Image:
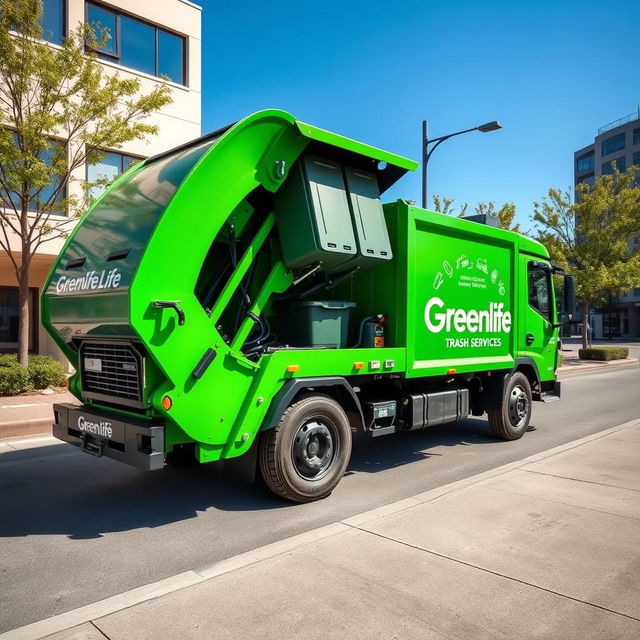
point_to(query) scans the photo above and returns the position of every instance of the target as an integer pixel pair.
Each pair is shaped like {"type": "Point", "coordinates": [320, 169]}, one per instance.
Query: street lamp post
{"type": "Point", "coordinates": [494, 125]}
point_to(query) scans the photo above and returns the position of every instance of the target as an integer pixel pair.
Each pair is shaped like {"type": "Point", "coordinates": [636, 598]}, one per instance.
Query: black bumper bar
{"type": "Point", "coordinates": [99, 434]}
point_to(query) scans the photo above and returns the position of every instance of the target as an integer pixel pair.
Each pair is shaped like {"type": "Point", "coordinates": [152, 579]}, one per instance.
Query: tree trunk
{"type": "Point", "coordinates": [23, 304]}
{"type": "Point", "coordinates": [585, 325]}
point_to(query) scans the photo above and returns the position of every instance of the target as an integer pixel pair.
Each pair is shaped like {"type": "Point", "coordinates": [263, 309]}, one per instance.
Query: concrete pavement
{"type": "Point", "coordinates": [29, 414]}
{"type": "Point", "coordinates": [546, 547]}
{"type": "Point", "coordinates": [571, 363]}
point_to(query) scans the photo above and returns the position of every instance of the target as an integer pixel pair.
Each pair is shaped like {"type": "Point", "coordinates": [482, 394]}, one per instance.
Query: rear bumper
{"type": "Point", "coordinates": [100, 434]}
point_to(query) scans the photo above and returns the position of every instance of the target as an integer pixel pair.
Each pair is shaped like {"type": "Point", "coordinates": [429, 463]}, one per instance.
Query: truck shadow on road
{"type": "Point", "coordinates": [57, 490]}
{"type": "Point", "coordinates": [372, 455]}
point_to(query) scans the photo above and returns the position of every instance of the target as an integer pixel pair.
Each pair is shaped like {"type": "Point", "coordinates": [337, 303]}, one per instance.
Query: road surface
{"type": "Point", "coordinates": [75, 529]}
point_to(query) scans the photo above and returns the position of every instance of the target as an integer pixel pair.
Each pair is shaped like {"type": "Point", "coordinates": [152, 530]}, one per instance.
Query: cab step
{"type": "Point", "coordinates": [551, 393]}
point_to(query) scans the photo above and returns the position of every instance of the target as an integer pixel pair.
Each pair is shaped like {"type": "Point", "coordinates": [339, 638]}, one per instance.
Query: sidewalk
{"type": "Point", "coordinates": [546, 547]}
{"type": "Point", "coordinates": [571, 363]}
{"type": "Point", "coordinates": [29, 415]}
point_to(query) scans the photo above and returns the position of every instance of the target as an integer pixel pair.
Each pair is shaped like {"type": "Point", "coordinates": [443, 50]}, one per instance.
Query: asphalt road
{"type": "Point", "coordinates": [75, 529]}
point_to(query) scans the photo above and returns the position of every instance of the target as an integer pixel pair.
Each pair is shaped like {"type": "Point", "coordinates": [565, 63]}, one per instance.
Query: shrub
{"type": "Point", "coordinates": [41, 372]}
{"type": "Point", "coordinates": [14, 378]}
{"type": "Point", "coordinates": [7, 359]}
{"type": "Point", "coordinates": [46, 372]}
{"type": "Point", "coordinates": [604, 353]}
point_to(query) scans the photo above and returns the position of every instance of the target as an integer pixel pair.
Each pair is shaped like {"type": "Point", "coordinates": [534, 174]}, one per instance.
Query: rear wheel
{"type": "Point", "coordinates": [511, 419]}
{"type": "Point", "coordinates": [305, 455]}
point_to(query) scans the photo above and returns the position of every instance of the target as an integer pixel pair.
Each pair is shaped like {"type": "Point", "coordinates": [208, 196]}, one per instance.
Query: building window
{"type": "Point", "coordinates": [137, 44]}
{"type": "Point", "coordinates": [636, 136]}
{"type": "Point", "coordinates": [636, 158]}
{"type": "Point", "coordinates": [620, 163]}
{"type": "Point", "coordinates": [107, 169]}
{"type": "Point", "coordinates": [612, 144]}
{"type": "Point", "coordinates": [45, 195]}
{"type": "Point", "coordinates": [9, 315]}
{"type": "Point", "coordinates": [52, 20]}
{"type": "Point", "coordinates": [585, 162]}
{"type": "Point", "coordinates": [587, 178]}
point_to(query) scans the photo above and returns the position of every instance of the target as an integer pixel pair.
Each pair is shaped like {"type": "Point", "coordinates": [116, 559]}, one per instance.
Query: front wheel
{"type": "Point", "coordinates": [511, 419]}
{"type": "Point", "coordinates": [305, 455]}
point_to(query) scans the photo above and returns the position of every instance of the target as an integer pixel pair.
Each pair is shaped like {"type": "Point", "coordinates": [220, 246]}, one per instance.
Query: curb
{"type": "Point", "coordinates": [601, 365]}
{"type": "Point", "coordinates": [25, 428]}
{"type": "Point", "coordinates": [133, 597]}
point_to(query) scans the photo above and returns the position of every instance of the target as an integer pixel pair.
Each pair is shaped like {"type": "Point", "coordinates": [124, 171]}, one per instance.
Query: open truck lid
{"type": "Point", "coordinates": [168, 208]}
{"type": "Point", "coordinates": [395, 166]}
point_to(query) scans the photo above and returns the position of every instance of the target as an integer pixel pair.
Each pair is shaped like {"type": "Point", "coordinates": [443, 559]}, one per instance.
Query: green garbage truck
{"type": "Point", "coordinates": [248, 296]}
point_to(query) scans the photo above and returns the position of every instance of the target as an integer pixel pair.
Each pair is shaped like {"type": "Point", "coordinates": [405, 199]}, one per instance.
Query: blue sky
{"type": "Point", "coordinates": [551, 72]}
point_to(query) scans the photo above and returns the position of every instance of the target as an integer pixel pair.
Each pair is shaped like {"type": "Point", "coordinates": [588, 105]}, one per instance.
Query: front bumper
{"type": "Point", "coordinates": [100, 434]}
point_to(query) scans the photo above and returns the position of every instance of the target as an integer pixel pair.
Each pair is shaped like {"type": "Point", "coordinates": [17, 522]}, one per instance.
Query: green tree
{"type": "Point", "coordinates": [593, 236]}
{"type": "Point", "coordinates": [506, 213]}
{"type": "Point", "coordinates": [446, 206]}
{"type": "Point", "coordinates": [57, 108]}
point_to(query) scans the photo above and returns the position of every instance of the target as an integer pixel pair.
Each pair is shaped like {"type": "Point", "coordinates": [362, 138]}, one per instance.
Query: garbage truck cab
{"type": "Point", "coordinates": [247, 296]}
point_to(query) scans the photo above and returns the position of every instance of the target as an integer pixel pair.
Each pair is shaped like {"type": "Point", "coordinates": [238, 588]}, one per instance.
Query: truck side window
{"type": "Point", "coordinates": [539, 290]}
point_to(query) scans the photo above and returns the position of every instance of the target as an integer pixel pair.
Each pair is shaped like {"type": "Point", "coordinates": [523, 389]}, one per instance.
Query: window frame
{"type": "Point", "coordinates": [115, 57]}
{"type": "Point", "coordinates": [586, 156]}
{"type": "Point", "coordinates": [34, 323]}
{"type": "Point", "coordinates": [122, 155]}
{"type": "Point", "coordinates": [532, 266]}
{"type": "Point", "coordinates": [622, 136]}
{"type": "Point", "coordinates": [621, 166]}
{"type": "Point", "coordinates": [65, 30]}
{"type": "Point", "coordinates": [63, 195]}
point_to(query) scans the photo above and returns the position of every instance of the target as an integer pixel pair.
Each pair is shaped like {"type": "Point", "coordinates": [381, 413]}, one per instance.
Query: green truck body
{"type": "Point", "coordinates": [247, 295]}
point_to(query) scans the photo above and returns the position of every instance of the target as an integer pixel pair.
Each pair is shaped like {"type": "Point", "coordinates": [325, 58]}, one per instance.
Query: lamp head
{"type": "Point", "coordinates": [494, 125]}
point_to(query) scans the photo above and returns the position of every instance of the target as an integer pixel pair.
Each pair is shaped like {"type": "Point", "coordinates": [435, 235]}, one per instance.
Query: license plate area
{"type": "Point", "coordinates": [92, 445]}
{"type": "Point", "coordinates": [101, 435]}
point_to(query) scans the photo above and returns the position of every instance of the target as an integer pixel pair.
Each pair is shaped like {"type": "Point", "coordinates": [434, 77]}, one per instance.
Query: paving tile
{"type": "Point", "coordinates": [612, 460]}
{"type": "Point", "coordinates": [612, 500]}
{"type": "Point", "coordinates": [581, 553]}
{"type": "Point", "coordinates": [82, 632]}
{"type": "Point", "coordinates": [358, 586]}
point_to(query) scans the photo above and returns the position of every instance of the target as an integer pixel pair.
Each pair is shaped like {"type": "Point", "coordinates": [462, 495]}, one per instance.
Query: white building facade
{"type": "Point", "coordinates": [149, 41]}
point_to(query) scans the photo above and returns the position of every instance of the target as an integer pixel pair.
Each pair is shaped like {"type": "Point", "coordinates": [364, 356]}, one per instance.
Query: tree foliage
{"type": "Point", "coordinates": [594, 236]}
{"type": "Point", "coordinates": [506, 213]}
{"type": "Point", "coordinates": [58, 108]}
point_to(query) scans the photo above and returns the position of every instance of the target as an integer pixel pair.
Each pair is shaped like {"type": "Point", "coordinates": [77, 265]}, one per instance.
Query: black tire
{"type": "Point", "coordinates": [511, 419]}
{"type": "Point", "coordinates": [305, 455]}
{"type": "Point", "coordinates": [182, 456]}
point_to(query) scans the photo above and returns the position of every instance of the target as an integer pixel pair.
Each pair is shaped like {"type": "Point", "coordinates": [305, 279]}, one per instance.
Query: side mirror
{"type": "Point", "coordinates": [568, 303]}
{"type": "Point", "coordinates": [569, 298]}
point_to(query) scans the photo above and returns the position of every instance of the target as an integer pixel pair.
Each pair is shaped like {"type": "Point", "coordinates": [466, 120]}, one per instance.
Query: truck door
{"type": "Point", "coordinates": [537, 333]}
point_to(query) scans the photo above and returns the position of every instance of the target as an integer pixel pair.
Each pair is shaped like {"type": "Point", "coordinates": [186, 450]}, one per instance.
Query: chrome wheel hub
{"type": "Point", "coordinates": [518, 406]}
{"type": "Point", "coordinates": [314, 449]}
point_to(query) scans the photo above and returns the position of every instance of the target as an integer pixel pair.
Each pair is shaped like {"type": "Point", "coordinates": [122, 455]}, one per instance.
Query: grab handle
{"type": "Point", "coordinates": [168, 304]}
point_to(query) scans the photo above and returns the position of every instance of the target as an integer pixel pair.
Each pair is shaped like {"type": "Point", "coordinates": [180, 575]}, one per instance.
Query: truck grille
{"type": "Point", "coordinates": [112, 371]}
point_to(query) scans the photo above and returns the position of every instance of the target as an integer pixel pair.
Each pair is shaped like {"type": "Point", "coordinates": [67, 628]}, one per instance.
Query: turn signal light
{"type": "Point", "coordinates": [292, 368]}
{"type": "Point", "coordinates": [358, 365]}
{"type": "Point", "coordinates": [167, 403]}
{"type": "Point", "coordinates": [451, 372]}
